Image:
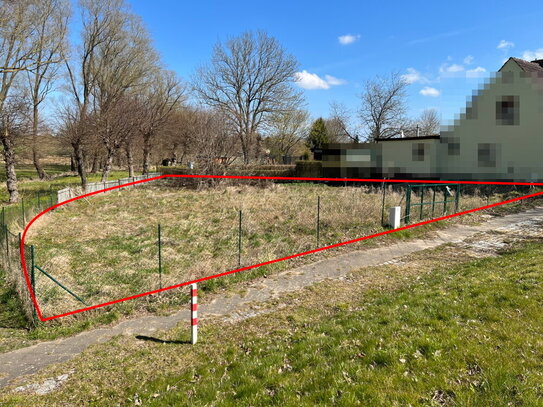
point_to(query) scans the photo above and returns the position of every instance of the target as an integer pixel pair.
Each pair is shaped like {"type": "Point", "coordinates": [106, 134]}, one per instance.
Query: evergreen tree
{"type": "Point", "coordinates": [318, 135]}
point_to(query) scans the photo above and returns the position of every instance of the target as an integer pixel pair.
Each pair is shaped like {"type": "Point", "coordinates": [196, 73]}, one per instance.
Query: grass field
{"type": "Point", "coordinates": [105, 247]}
{"type": "Point", "coordinates": [443, 328]}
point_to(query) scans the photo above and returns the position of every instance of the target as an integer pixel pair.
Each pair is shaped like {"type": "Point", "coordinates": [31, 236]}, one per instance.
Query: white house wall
{"type": "Point", "coordinates": [519, 148]}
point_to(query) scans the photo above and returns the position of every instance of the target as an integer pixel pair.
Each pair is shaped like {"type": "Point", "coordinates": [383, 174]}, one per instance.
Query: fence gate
{"type": "Point", "coordinates": [451, 194]}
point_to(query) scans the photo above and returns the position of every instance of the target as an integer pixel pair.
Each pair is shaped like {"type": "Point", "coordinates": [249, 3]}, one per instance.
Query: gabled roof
{"type": "Point", "coordinates": [526, 66]}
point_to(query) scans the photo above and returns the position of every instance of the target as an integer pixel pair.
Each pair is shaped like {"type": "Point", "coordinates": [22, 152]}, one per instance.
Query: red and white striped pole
{"type": "Point", "coordinates": [194, 313]}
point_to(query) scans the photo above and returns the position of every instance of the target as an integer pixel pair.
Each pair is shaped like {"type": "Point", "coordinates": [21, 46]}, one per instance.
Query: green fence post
{"type": "Point", "coordinates": [457, 198]}
{"type": "Point", "coordinates": [433, 200]}
{"type": "Point", "coordinates": [3, 215]}
{"type": "Point", "coordinates": [239, 238]}
{"type": "Point", "coordinates": [23, 210]}
{"type": "Point", "coordinates": [159, 258]}
{"type": "Point", "coordinates": [318, 220]}
{"type": "Point", "coordinates": [445, 200]}
{"type": "Point", "coordinates": [7, 241]}
{"type": "Point", "coordinates": [383, 205]}
{"type": "Point", "coordinates": [421, 202]}
{"type": "Point", "coordinates": [32, 268]}
{"type": "Point", "coordinates": [408, 204]}
{"type": "Point", "coordinates": [39, 202]}
{"type": "Point", "coordinates": [33, 281]}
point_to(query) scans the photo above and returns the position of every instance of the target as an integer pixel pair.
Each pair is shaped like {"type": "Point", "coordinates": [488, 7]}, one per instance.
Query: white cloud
{"type": "Point", "coordinates": [531, 55]}
{"type": "Point", "coordinates": [505, 44]}
{"type": "Point", "coordinates": [454, 68]}
{"type": "Point", "coordinates": [348, 38]}
{"type": "Point", "coordinates": [309, 80]}
{"type": "Point", "coordinates": [333, 81]}
{"type": "Point", "coordinates": [428, 91]}
{"type": "Point", "coordinates": [476, 72]}
{"type": "Point", "coordinates": [414, 76]}
{"type": "Point", "coordinates": [469, 59]}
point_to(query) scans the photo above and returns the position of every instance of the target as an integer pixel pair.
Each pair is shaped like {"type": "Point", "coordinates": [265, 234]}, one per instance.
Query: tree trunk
{"type": "Point", "coordinates": [80, 162]}
{"type": "Point", "coordinates": [146, 154]}
{"type": "Point", "coordinates": [129, 160]}
{"type": "Point", "coordinates": [9, 160]}
{"type": "Point", "coordinates": [72, 163]}
{"type": "Point", "coordinates": [95, 162]}
{"type": "Point", "coordinates": [35, 156]}
{"type": "Point", "coordinates": [108, 163]}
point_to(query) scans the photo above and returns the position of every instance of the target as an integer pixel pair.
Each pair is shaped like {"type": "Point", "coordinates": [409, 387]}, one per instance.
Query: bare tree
{"type": "Point", "coordinates": [339, 124]}
{"type": "Point", "coordinates": [214, 141]}
{"type": "Point", "coordinates": [13, 125]}
{"type": "Point", "coordinates": [124, 60]}
{"type": "Point", "coordinates": [249, 79]}
{"type": "Point", "coordinates": [19, 45]}
{"type": "Point", "coordinates": [100, 18]}
{"type": "Point", "coordinates": [50, 29]}
{"type": "Point", "coordinates": [163, 95]}
{"type": "Point", "coordinates": [288, 129]}
{"type": "Point", "coordinates": [178, 134]}
{"type": "Point", "coordinates": [383, 106]}
{"type": "Point", "coordinates": [428, 122]}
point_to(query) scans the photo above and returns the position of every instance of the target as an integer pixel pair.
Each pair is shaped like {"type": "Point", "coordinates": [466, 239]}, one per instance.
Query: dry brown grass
{"type": "Point", "coordinates": [105, 247]}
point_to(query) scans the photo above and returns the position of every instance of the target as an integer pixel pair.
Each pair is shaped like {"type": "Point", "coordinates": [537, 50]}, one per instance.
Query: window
{"type": "Point", "coordinates": [453, 145]}
{"type": "Point", "coordinates": [418, 152]}
{"type": "Point", "coordinates": [486, 155]}
{"type": "Point", "coordinates": [507, 110]}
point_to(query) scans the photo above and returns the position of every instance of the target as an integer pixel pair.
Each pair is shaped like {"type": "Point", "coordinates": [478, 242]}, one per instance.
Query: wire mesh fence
{"type": "Point", "coordinates": [139, 240]}
{"type": "Point", "coordinates": [131, 244]}
{"type": "Point", "coordinates": [13, 219]}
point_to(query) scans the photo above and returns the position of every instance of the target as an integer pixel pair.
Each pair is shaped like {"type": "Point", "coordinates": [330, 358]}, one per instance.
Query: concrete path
{"type": "Point", "coordinates": [34, 358]}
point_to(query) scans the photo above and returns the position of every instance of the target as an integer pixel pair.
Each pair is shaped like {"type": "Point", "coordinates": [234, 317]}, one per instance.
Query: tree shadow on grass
{"type": "Point", "coordinates": [157, 340]}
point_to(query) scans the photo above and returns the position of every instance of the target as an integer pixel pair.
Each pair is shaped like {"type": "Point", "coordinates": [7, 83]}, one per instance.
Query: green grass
{"type": "Point", "coordinates": [462, 335]}
{"type": "Point", "coordinates": [466, 336]}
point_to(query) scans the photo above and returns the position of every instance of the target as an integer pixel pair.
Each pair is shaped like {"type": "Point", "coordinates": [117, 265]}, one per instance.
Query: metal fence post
{"type": "Point", "coordinates": [408, 204]}
{"type": "Point", "coordinates": [433, 200]}
{"type": "Point", "coordinates": [7, 241]}
{"type": "Point", "coordinates": [23, 210]}
{"type": "Point", "coordinates": [159, 258]}
{"type": "Point", "coordinates": [383, 205]}
{"type": "Point", "coordinates": [239, 237]}
{"type": "Point", "coordinates": [318, 220]}
{"type": "Point", "coordinates": [445, 192]}
{"type": "Point", "coordinates": [32, 268]}
{"type": "Point", "coordinates": [421, 202]}
{"type": "Point", "coordinates": [33, 280]}
{"type": "Point", "coordinates": [3, 215]}
{"type": "Point", "coordinates": [457, 197]}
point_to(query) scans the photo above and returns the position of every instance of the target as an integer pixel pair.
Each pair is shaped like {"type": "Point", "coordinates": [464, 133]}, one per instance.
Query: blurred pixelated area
{"type": "Point", "coordinates": [496, 137]}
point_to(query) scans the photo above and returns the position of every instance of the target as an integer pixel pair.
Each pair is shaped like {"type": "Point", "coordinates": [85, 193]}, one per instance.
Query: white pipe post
{"type": "Point", "coordinates": [194, 313]}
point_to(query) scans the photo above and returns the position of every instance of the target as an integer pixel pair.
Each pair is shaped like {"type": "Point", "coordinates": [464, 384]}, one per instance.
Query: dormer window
{"type": "Point", "coordinates": [507, 110]}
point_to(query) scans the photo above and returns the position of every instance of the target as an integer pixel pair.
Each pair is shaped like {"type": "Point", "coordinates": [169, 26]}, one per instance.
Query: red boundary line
{"type": "Point", "coordinates": [42, 318]}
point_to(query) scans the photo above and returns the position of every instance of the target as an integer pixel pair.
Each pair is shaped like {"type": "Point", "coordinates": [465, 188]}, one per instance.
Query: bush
{"type": "Point", "coordinates": [309, 169]}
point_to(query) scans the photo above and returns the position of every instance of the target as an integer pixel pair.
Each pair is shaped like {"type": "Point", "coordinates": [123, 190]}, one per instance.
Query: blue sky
{"type": "Point", "coordinates": [447, 50]}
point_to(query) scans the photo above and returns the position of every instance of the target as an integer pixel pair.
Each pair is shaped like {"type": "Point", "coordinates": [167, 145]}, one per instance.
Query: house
{"type": "Point", "coordinates": [498, 137]}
